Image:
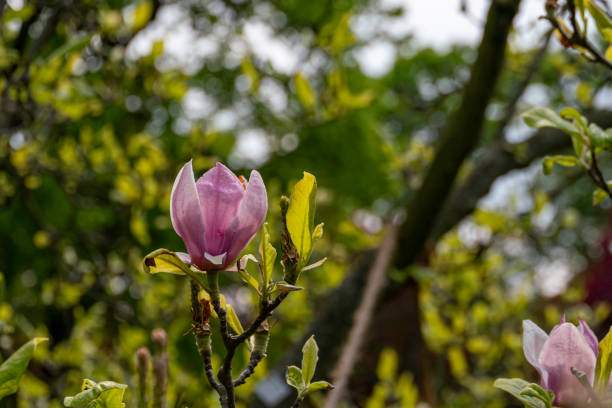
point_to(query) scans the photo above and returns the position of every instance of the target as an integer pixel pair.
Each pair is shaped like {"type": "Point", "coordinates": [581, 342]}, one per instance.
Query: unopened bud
{"type": "Point", "coordinates": [143, 356]}
{"type": "Point", "coordinates": [284, 205]}
{"type": "Point", "coordinates": [160, 339]}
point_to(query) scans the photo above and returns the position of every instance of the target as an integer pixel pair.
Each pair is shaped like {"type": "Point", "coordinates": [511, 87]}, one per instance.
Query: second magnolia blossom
{"type": "Point", "coordinates": [553, 355]}
{"type": "Point", "coordinates": [217, 215]}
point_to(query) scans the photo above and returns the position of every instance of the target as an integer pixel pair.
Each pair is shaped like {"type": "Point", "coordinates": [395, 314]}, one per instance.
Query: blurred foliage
{"type": "Point", "coordinates": [103, 101]}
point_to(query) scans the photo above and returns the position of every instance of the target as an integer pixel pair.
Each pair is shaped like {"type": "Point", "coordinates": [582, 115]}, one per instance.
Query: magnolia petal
{"type": "Point", "coordinates": [588, 335]}
{"type": "Point", "coordinates": [220, 193]}
{"type": "Point", "coordinates": [184, 257]}
{"type": "Point", "coordinates": [251, 216]}
{"type": "Point", "coordinates": [186, 214]}
{"type": "Point", "coordinates": [215, 259]}
{"type": "Point", "coordinates": [533, 341]}
{"type": "Point", "coordinates": [566, 348]}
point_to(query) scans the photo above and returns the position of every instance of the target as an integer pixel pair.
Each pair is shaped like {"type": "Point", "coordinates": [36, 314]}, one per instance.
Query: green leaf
{"type": "Point", "coordinates": [295, 379]}
{"type": "Point", "coordinates": [13, 368]}
{"type": "Point", "coordinates": [599, 137]}
{"type": "Point", "coordinates": [318, 385]}
{"type": "Point", "coordinates": [599, 196]}
{"type": "Point", "coordinates": [233, 320]}
{"type": "Point", "coordinates": [515, 387]}
{"type": "Point", "coordinates": [245, 276]}
{"type": "Point", "coordinates": [310, 356]}
{"type": "Point", "coordinates": [300, 217]}
{"type": "Point", "coordinates": [268, 256]}
{"type": "Point", "coordinates": [602, 21]}
{"type": "Point", "coordinates": [566, 161]}
{"type": "Point", "coordinates": [572, 113]}
{"type": "Point", "coordinates": [604, 364]}
{"type": "Point", "coordinates": [545, 117]}
{"type": "Point", "coordinates": [105, 394]}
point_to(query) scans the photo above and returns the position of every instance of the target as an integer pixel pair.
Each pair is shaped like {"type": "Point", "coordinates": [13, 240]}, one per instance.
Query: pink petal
{"type": "Point", "coordinates": [185, 258]}
{"type": "Point", "coordinates": [566, 348]}
{"type": "Point", "coordinates": [220, 194]}
{"type": "Point", "coordinates": [588, 335]}
{"type": "Point", "coordinates": [533, 341]}
{"type": "Point", "coordinates": [251, 216]}
{"type": "Point", "coordinates": [185, 213]}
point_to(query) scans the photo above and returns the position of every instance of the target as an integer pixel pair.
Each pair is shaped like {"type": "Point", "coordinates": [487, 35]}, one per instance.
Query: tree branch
{"type": "Point", "coordinates": [460, 134]}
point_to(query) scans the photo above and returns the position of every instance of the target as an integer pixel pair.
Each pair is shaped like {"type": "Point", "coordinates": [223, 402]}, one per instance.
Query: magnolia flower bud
{"type": "Point", "coordinates": [554, 356]}
{"type": "Point", "coordinates": [218, 215]}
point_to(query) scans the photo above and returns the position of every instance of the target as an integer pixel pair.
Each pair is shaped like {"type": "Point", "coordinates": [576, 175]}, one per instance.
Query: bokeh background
{"type": "Point", "coordinates": [102, 102]}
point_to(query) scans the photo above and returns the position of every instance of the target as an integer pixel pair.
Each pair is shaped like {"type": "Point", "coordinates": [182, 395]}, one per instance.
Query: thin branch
{"type": "Point", "coordinates": [264, 313]}
{"type": "Point", "coordinates": [576, 37]}
{"type": "Point", "coordinates": [248, 371]}
{"type": "Point", "coordinates": [597, 176]}
{"type": "Point", "coordinates": [363, 317]}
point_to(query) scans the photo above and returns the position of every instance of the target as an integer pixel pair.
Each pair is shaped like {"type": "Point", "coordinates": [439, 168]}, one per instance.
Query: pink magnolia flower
{"type": "Point", "coordinates": [553, 356]}
{"type": "Point", "coordinates": [218, 215]}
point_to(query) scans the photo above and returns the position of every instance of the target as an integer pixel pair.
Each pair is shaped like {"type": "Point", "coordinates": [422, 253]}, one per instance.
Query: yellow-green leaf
{"type": "Point", "coordinates": [268, 256]}
{"type": "Point", "coordinates": [294, 378]}
{"type": "Point", "coordinates": [204, 295]}
{"type": "Point", "coordinates": [13, 368]}
{"type": "Point", "coordinates": [303, 91]}
{"type": "Point", "coordinates": [599, 196]}
{"type": "Point", "coordinates": [310, 356]}
{"type": "Point", "coordinates": [233, 320]}
{"type": "Point", "coordinates": [604, 364]}
{"type": "Point", "coordinates": [245, 276]}
{"type": "Point", "coordinates": [601, 17]}
{"type": "Point", "coordinates": [318, 232]}
{"type": "Point", "coordinates": [162, 260]}
{"type": "Point", "coordinates": [300, 217]}
{"type": "Point", "coordinates": [107, 394]}
{"type": "Point", "coordinates": [566, 161]}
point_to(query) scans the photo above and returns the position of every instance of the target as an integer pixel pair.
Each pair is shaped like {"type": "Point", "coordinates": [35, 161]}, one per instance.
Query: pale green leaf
{"type": "Point", "coordinates": [604, 363]}
{"type": "Point", "coordinates": [515, 387]}
{"type": "Point", "coordinates": [13, 368]}
{"type": "Point", "coordinates": [545, 117]}
{"type": "Point", "coordinates": [310, 356]}
{"type": "Point", "coordinates": [300, 217]}
{"type": "Point", "coordinates": [285, 287]}
{"type": "Point", "coordinates": [294, 378]}
{"type": "Point", "coordinates": [314, 265]}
